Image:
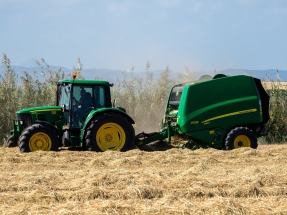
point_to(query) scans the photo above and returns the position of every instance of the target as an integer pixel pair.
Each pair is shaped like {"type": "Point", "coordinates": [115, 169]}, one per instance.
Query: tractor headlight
{"type": "Point", "coordinates": [21, 122]}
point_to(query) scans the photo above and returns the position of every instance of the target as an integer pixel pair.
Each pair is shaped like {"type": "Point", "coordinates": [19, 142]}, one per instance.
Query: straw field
{"type": "Point", "coordinates": [158, 179]}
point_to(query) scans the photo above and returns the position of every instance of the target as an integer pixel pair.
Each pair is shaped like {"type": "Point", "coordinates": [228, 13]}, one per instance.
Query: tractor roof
{"type": "Point", "coordinates": [87, 82]}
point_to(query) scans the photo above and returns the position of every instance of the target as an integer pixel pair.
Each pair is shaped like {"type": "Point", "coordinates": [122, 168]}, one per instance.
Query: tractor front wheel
{"type": "Point", "coordinates": [110, 131]}
{"type": "Point", "coordinates": [240, 137]}
{"type": "Point", "coordinates": [38, 137]}
{"type": "Point", "coordinates": [11, 142]}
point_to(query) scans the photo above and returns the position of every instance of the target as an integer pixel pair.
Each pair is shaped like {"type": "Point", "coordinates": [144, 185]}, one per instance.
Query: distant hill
{"type": "Point", "coordinates": [113, 75]}
{"type": "Point", "coordinates": [261, 74]}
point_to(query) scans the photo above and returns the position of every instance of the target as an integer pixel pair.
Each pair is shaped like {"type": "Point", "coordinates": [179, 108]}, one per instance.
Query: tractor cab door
{"type": "Point", "coordinates": [84, 99]}
{"type": "Point", "coordinates": [82, 104]}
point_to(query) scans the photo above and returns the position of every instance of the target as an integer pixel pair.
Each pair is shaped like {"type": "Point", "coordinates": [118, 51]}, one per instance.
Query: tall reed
{"type": "Point", "coordinates": [277, 125]}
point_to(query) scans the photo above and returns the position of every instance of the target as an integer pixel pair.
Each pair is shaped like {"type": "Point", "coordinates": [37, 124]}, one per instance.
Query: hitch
{"type": "Point", "coordinates": [146, 138]}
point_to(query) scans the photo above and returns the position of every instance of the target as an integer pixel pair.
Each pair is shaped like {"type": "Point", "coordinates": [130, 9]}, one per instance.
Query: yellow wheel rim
{"type": "Point", "coordinates": [40, 141]}
{"type": "Point", "coordinates": [241, 141]}
{"type": "Point", "coordinates": [111, 136]}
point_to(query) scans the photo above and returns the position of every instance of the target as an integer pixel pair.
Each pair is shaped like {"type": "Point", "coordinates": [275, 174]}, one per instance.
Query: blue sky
{"type": "Point", "coordinates": [202, 35]}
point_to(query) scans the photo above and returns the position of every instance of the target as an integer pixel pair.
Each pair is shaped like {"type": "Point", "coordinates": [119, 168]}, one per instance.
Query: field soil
{"type": "Point", "coordinates": [158, 179]}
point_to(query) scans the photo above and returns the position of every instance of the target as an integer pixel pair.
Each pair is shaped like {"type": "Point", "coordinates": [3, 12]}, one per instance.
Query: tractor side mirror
{"type": "Point", "coordinates": [63, 107]}
{"type": "Point", "coordinates": [114, 103]}
{"type": "Point", "coordinates": [69, 88]}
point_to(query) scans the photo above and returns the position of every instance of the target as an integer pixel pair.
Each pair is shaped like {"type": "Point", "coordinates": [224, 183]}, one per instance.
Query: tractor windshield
{"type": "Point", "coordinates": [65, 96]}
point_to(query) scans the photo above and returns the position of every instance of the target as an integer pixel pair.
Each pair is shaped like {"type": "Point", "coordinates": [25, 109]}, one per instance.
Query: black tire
{"type": "Point", "coordinates": [110, 131]}
{"type": "Point", "coordinates": [11, 142]}
{"type": "Point", "coordinates": [240, 137]}
{"type": "Point", "coordinates": [38, 137]}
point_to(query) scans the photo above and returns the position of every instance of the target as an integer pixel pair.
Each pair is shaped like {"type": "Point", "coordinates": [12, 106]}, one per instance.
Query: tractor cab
{"type": "Point", "coordinates": [79, 97]}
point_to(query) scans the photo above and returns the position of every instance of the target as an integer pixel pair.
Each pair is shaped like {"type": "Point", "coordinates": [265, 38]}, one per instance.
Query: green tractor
{"type": "Point", "coordinates": [83, 117]}
{"type": "Point", "coordinates": [226, 112]}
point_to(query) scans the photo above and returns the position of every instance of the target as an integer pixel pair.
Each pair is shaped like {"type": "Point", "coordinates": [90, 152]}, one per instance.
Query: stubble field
{"type": "Point", "coordinates": [155, 180]}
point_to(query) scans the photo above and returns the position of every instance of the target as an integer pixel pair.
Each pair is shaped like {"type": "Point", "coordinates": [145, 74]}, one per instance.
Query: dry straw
{"type": "Point", "coordinates": [175, 181]}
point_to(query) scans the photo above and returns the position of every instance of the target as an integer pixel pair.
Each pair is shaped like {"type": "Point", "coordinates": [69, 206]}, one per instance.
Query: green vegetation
{"type": "Point", "coordinates": [278, 112]}
{"type": "Point", "coordinates": [143, 98]}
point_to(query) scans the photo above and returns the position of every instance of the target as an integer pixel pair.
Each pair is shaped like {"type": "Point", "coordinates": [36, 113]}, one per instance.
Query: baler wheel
{"type": "Point", "coordinates": [240, 137]}
{"type": "Point", "coordinates": [11, 142]}
{"type": "Point", "coordinates": [38, 137]}
{"type": "Point", "coordinates": [110, 131]}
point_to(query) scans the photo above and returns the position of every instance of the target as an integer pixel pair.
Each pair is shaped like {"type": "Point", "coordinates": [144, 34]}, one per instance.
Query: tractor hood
{"type": "Point", "coordinates": [39, 109]}
{"type": "Point", "coordinates": [48, 114]}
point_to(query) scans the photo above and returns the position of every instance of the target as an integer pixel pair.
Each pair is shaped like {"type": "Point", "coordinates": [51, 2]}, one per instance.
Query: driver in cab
{"type": "Point", "coordinates": [82, 104]}
{"type": "Point", "coordinates": [85, 100]}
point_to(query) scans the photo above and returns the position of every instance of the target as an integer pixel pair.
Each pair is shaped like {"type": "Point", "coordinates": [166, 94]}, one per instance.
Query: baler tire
{"type": "Point", "coordinates": [11, 142]}
{"type": "Point", "coordinates": [38, 134]}
{"type": "Point", "coordinates": [110, 131]}
{"type": "Point", "coordinates": [242, 135]}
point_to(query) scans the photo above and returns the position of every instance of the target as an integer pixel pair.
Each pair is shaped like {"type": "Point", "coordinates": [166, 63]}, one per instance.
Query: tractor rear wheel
{"type": "Point", "coordinates": [38, 137]}
{"type": "Point", "coordinates": [110, 131]}
{"type": "Point", "coordinates": [11, 141]}
{"type": "Point", "coordinates": [240, 137]}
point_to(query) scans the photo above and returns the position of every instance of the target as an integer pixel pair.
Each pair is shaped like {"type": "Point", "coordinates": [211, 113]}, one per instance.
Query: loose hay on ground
{"type": "Point", "coordinates": [172, 181]}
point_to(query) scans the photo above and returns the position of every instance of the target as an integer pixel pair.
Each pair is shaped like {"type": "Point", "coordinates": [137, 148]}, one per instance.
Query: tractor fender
{"type": "Point", "coordinates": [99, 111]}
{"type": "Point", "coordinates": [49, 125]}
